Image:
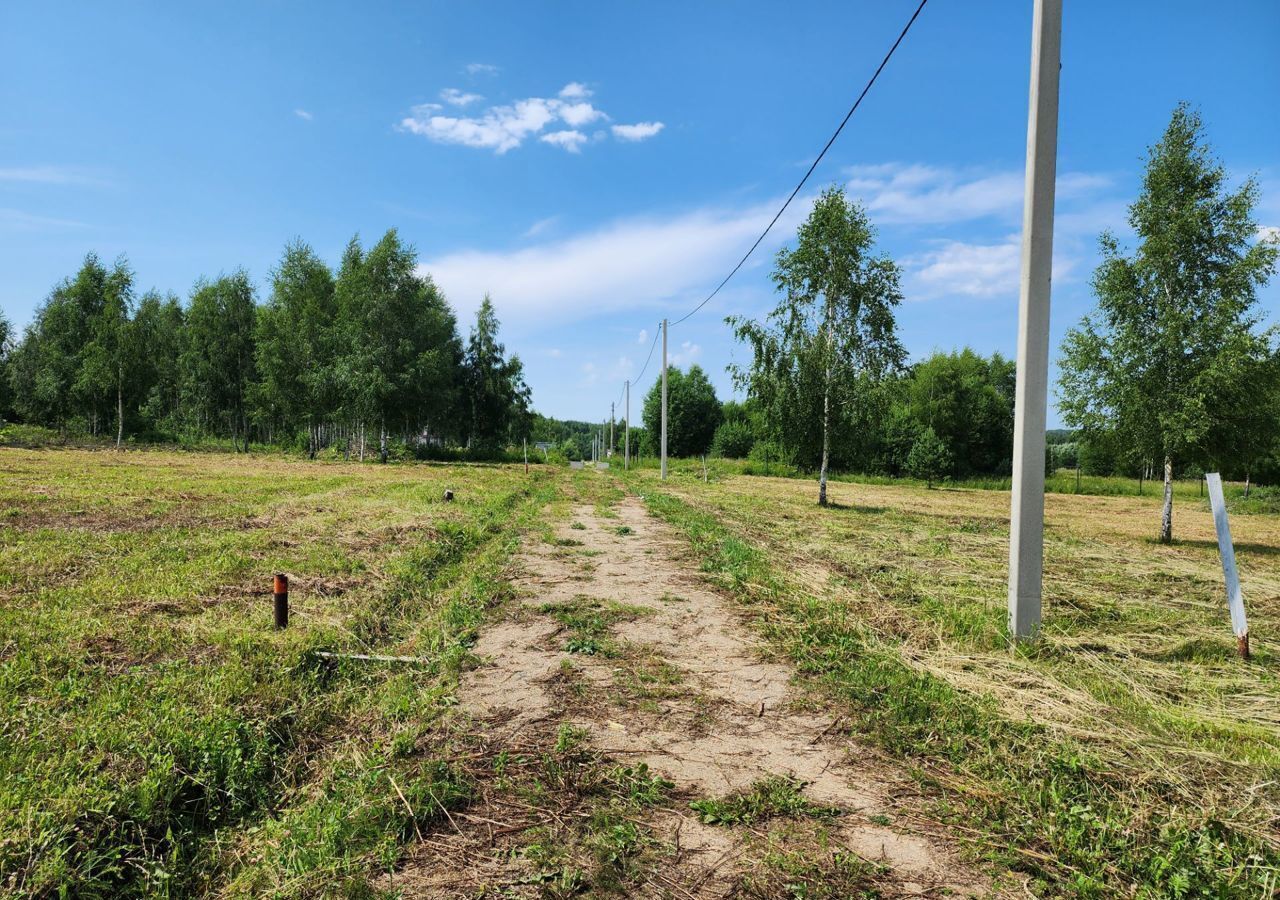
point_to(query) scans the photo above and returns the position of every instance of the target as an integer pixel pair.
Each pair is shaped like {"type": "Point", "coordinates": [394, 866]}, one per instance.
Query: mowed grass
{"type": "Point", "coordinates": [157, 736]}
{"type": "Point", "coordinates": [1130, 751]}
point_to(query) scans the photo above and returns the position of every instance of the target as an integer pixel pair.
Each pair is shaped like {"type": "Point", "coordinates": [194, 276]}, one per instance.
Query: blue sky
{"type": "Point", "coordinates": [597, 166]}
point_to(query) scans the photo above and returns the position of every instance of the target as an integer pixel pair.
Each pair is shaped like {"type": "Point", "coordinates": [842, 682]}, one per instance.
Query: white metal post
{"type": "Point", "coordinates": [664, 399]}
{"type": "Point", "coordinates": [626, 433]}
{"type": "Point", "coordinates": [1235, 599]}
{"type": "Point", "coordinates": [1031, 399]}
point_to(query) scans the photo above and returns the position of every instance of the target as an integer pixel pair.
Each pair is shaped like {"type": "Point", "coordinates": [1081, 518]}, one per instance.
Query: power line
{"type": "Point", "coordinates": [832, 140]}
{"type": "Point", "coordinates": [656, 335]}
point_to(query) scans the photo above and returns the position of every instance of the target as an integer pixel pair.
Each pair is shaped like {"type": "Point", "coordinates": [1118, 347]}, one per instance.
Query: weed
{"type": "Point", "coordinates": [773, 797]}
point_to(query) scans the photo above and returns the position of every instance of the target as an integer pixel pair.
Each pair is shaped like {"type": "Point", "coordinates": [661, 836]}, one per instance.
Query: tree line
{"type": "Point", "coordinates": [1175, 370]}
{"type": "Point", "coordinates": [366, 356]}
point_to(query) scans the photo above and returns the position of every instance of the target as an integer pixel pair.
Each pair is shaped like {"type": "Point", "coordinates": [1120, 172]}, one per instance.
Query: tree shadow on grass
{"type": "Point", "coordinates": [1246, 548]}
{"type": "Point", "coordinates": [857, 508]}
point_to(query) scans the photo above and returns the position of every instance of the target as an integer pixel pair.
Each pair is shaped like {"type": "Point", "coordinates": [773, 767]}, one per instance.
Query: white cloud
{"type": "Point", "coordinates": [48, 175]}
{"type": "Point", "coordinates": [686, 355]}
{"type": "Point", "coordinates": [898, 193]}
{"type": "Point", "coordinates": [622, 369]}
{"type": "Point", "coordinates": [482, 69]}
{"type": "Point", "coordinates": [971, 270]}
{"type": "Point", "coordinates": [503, 128]}
{"type": "Point", "coordinates": [17, 220]}
{"type": "Point", "coordinates": [1269, 233]}
{"type": "Point", "coordinates": [578, 114]}
{"type": "Point", "coordinates": [303, 114]}
{"type": "Point", "coordinates": [589, 374]}
{"type": "Point", "coordinates": [633, 264]}
{"type": "Point", "coordinates": [540, 226]}
{"type": "Point", "coordinates": [638, 132]}
{"type": "Point", "coordinates": [555, 353]}
{"type": "Point", "coordinates": [643, 336]}
{"type": "Point", "coordinates": [456, 97]}
{"type": "Point", "coordinates": [568, 140]}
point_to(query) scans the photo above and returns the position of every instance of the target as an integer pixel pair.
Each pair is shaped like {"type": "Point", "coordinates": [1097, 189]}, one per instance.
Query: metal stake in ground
{"type": "Point", "coordinates": [1026, 519]}
{"type": "Point", "coordinates": [1235, 599]}
{"type": "Point", "coordinates": [280, 601]}
{"type": "Point", "coordinates": [664, 399]}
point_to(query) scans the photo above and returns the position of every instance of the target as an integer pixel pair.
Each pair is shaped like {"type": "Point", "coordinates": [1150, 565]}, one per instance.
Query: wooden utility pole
{"type": "Point", "coordinates": [1026, 518]}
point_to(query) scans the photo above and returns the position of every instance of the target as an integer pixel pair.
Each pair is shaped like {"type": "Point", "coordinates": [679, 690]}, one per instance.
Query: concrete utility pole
{"type": "Point", "coordinates": [1026, 516]}
{"type": "Point", "coordinates": [664, 399]}
{"type": "Point", "coordinates": [611, 412]}
{"type": "Point", "coordinates": [626, 433]}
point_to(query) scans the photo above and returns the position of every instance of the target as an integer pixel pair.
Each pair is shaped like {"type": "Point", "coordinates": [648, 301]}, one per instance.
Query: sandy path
{"type": "Point", "coordinates": [732, 720]}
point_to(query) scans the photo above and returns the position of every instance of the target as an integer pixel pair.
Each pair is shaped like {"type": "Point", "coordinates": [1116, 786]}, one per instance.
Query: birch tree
{"type": "Point", "coordinates": [832, 336]}
{"type": "Point", "coordinates": [1174, 319]}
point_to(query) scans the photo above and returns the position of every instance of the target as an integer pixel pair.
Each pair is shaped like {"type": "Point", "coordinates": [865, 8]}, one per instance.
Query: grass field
{"type": "Point", "coordinates": [150, 714]}
{"type": "Point", "coordinates": [159, 738]}
{"type": "Point", "coordinates": [1129, 751]}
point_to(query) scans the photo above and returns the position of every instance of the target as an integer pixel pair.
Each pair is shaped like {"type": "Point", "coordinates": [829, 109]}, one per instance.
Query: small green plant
{"type": "Point", "coordinates": [623, 530]}
{"type": "Point", "coordinates": [772, 797]}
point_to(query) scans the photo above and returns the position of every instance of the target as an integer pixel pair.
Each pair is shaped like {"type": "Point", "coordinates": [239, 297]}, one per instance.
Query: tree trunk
{"type": "Point", "coordinates": [382, 442]}
{"type": "Point", "coordinates": [1246, 485]}
{"type": "Point", "coordinates": [119, 415]}
{"type": "Point", "coordinates": [1166, 516]}
{"type": "Point", "coordinates": [826, 413]}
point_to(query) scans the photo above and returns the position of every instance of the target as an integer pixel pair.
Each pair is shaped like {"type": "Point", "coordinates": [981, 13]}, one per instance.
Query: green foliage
{"type": "Point", "coordinates": [929, 459]}
{"type": "Point", "coordinates": [496, 390]}
{"type": "Point", "coordinates": [6, 349]}
{"type": "Point", "coordinates": [218, 359]}
{"type": "Point", "coordinates": [693, 413]}
{"type": "Point", "coordinates": [1169, 359]}
{"type": "Point", "coordinates": [325, 362]}
{"type": "Point", "coordinates": [967, 401]}
{"type": "Point", "coordinates": [819, 356]}
{"type": "Point", "coordinates": [733, 440]}
{"type": "Point", "coordinates": [298, 341]}
{"type": "Point", "coordinates": [774, 797]}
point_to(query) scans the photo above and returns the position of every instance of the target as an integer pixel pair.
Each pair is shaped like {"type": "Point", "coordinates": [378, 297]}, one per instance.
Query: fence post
{"type": "Point", "coordinates": [280, 601]}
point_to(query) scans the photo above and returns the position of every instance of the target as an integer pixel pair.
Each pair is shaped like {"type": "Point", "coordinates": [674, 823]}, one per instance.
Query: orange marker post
{"type": "Point", "coordinates": [280, 599]}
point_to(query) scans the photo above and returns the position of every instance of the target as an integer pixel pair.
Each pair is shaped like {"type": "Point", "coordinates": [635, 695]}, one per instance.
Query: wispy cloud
{"type": "Point", "coordinates": [687, 354]}
{"type": "Point", "coordinates": [504, 127]}
{"type": "Point", "coordinates": [640, 131]}
{"type": "Point", "coordinates": [455, 97]}
{"type": "Point", "coordinates": [477, 68]}
{"type": "Point", "coordinates": [959, 268]}
{"type": "Point", "coordinates": [49, 174]}
{"type": "Point", "coordinates": [1269, 233]}
{"type": "Point", "coordinates": [17, 220]}
{"type": "Point", "coordinates": [303, 114]}
{"type": "Point", "coordinates": [540, 226]}
{"type": "Point", "coordinates": [626, 265]}
{"type": "Point", "coordinates": [900, 193]}
{"type": "Point", "coordinates": [643, 336]}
